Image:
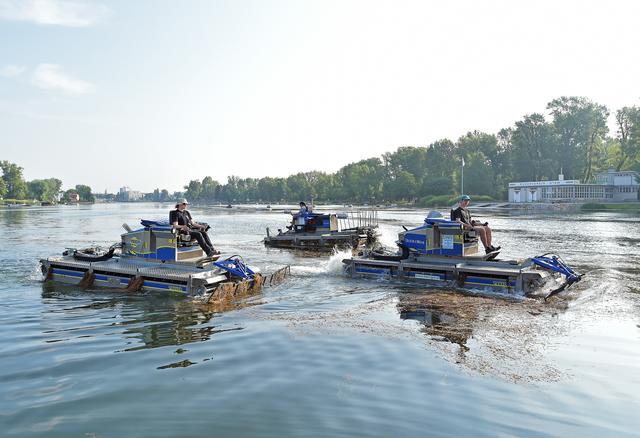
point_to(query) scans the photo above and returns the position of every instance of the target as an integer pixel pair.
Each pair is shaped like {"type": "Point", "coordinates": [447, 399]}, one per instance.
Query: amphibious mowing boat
{"type": "Point", "coordinates": [442, 252]}
{"type": "Point", "coordinates": [154, 258]}
{"type": "Point", "coordinates": [325, 231]}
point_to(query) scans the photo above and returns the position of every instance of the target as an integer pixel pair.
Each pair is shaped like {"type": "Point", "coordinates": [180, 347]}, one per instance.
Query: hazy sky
{"type": "Point", "coordinates": [155, 93]}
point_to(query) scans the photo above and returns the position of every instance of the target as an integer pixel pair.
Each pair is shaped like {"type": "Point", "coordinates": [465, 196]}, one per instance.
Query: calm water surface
{"type": "Point", "coordinates": [320, 355]}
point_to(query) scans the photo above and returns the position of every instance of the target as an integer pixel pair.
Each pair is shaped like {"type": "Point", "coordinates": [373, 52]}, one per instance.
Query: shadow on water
{"type": "Point", "coordinates": [141, 320]}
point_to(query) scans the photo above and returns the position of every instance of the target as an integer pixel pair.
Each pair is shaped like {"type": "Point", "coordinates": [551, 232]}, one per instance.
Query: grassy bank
{"type": "Point", "coordinates": [595, 206]}
{"type": "Point", "coordinates": [19, 201]}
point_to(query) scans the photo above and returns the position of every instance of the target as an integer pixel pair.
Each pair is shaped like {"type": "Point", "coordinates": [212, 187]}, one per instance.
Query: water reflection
{"type": "Point", "coordinates": [143, 320]}
{"type": "Point", "coordinates": [438, 324]}
{"type": "Point", "coordinates": [12, 218]}
{"type": "Point", "coordinates": [447, 316]}
{"type": "Point", "coordinates": [492, 334]}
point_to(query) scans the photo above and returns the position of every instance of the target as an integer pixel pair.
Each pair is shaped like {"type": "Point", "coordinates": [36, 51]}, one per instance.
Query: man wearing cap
{"type": "Point", "coordinates": [299, 218]}
{"type": "Point", "coordinates": [181, 220]}
{"type": "Point", "coordinates": [462, 215]}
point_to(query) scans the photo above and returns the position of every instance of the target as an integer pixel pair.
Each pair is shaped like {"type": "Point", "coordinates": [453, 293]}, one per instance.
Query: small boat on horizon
{"type": "Point", "coordinates": [326, 231]}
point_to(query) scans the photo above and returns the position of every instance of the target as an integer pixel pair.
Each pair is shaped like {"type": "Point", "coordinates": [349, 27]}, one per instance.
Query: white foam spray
{"type": "Point", "coordinates": [334, 264]}
{"type": "Point", "coordinates": [388, 235]}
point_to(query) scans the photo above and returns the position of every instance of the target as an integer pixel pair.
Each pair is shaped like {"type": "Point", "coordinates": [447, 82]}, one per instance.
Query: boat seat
{"type": "Point", "coordinates": [154, 224]}
{"type": "Point", "coordinates": [185, 240]}
{"type": "Point", "coordinates": [468, 236]}
{"type": "Point", "coordinates": [306, 228]}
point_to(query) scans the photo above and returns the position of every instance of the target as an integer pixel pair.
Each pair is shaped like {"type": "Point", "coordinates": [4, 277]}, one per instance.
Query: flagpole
{"type": "Point", "coordinates": [462, 178]}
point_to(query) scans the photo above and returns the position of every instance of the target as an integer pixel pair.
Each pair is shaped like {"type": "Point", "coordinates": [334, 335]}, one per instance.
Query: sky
{"type": "Point", "coordinates": [152, 94]}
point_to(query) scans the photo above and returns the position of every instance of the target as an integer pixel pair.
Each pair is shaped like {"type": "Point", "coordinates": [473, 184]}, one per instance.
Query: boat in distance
{"type": "Point", "coordinates": [325, 231]}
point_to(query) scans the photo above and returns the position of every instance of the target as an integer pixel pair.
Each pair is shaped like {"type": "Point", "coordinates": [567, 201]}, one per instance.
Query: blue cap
{"type": "Point", "coordinates": [465, 198]}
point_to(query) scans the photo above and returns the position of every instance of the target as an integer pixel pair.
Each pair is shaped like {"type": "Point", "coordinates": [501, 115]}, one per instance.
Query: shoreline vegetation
{"type": "Point", "coordinates": [621, 207]}
{"type": "Point", "coordinates": [15, 190]}
{"type": "Point", "coordinates": [572, 139]}
{"type": "Point", "coordinates": [532, 207]}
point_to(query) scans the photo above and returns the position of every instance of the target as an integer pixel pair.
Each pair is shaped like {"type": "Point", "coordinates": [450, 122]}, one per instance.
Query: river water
{"type": "Point", "coordinates": [321, 354]}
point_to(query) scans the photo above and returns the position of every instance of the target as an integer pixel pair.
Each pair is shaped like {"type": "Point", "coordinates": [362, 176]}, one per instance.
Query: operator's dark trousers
{"type": "Point", "coordinates": [203, 240]}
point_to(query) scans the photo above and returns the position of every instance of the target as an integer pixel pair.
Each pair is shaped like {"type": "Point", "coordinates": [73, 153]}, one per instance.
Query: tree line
{"type": "Point", "coordinates": [14, 186]}
{"type": "Point", "coordinates": [572, 137]}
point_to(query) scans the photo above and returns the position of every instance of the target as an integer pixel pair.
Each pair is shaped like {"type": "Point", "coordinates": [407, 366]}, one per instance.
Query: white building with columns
{"type": "Point", "coordinates": [611, 186]}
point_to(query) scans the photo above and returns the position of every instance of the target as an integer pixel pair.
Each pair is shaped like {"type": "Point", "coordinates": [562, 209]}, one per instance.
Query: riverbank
{"type": "Point", "coordinates": [632, 207]}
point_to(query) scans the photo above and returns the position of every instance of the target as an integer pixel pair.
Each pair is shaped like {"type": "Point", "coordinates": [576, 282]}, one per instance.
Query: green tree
{"type": "Point", "coordinates": [231, 190]}
{"type": "Point", "coordinates": [478, 175]}
{"type": "Point", "coordinates": [534, 149]}
{"type": "Point", "coordinates": [16, 188]}
{"type": "Point", "coordinates": [3, 188]}
{"type": "Point", "coordinates": [402, 186]}
{"type": "Point", "coordinates": [581, 126]}
{"type": "Point", "coordinates": [361, 181]}
{"type": "Point", "coordinates": [208, 189]}
{"type": "Point", "coordinates": [320, 184]}
{"type": "Point", "coordinates": [406, 159]}
{"type": "Point", "coordinates": [628, 136]}
{"type": "Point", "coordinates": [44, 189]}
{"type": "Point", "coordinates": [193, 190]}
{"type": "Point", "coordinates": [36, 189]}
{"type": "Point", "coordinates": [85, 193]}
{"type": "Point", "coordinates": [272, 189]}
{"type": "Point", "coordinates": [440, 159]}
{"type": "Point", "coordinates": [52, 189]}
{"type": "Point", "coordinates": [66, 196]}
{"type": "Point", "coordinates": [437, 186]}
{"type": "Point", "coordinates": [301, 187]}
{"type": "Point", "coordinates": [481, 154]}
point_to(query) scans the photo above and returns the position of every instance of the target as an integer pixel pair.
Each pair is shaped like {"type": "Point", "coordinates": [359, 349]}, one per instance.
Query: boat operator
{"type": "Point", "coordinates": [181, 220]}
{"type": "Point", "coordinates": [299, 218]}
{"type": "Point", "coordinates": [462, 215]}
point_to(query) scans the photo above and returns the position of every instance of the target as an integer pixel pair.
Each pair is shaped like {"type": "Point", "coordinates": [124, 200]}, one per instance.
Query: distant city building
{"type": "Point", "coordinates": [74, 197]}
{"type": "Point", "coordinates": [125, 194]}
{"type": "Point", "coordinates": [610, 186]}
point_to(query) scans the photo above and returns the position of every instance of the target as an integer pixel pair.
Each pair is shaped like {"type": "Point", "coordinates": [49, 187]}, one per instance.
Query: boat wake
{"type": "Point", "coordinates": [333, 265]}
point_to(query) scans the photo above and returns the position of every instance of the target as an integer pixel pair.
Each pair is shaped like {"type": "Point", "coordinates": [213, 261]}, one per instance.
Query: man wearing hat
{"type": "Point", "coordinates": [181, 220]}
{"type": "Point", "coordinates": [462, 215]}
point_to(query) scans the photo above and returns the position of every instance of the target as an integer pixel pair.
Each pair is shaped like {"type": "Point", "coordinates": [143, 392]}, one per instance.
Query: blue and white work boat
{"type": "Point", "coordinates": [441, 252]}
{"type": "Point", "coordinates": [154, 258]}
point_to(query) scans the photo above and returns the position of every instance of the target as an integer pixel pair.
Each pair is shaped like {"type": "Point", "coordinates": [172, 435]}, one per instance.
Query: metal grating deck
{"type": "Point", "coordinates": [163, 271]}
